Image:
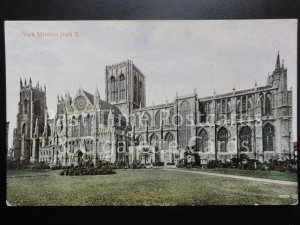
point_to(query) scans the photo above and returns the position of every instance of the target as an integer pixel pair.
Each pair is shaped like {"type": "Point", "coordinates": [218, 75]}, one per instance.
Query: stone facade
{"type": "Point", "coordinates": [256, 121]}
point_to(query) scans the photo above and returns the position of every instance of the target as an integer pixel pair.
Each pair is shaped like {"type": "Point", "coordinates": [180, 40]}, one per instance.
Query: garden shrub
{"type": "Point", "coordinates": [88, 168]}
{"type": "Point", "coordinates": [158, 163]}
{"type": "Point", "coordinates": [121, 165]}
{"type": "Point", "coordinates": [137, 165]}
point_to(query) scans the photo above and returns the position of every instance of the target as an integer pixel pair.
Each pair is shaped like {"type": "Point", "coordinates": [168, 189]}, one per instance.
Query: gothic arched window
{"type": "Point", "coordinates": [137, 121]}
{"type": "Point", "coordinates": [202, 141]}
{"type": "Point", "coordinates": [262, 103]}
{"type": "Point", "coordinates": [171, 114]}
{"type": "Point", "coordinates": [135, 90]}
{"type": "Point", "coordinates": [122, 87]}
{"type": "Point", "coordinates": [249, 107]}
{"type": "Point", "coordinates": [37, 108]}
{"type": "Point", "coordinates": [268, 104]}
{"type": "Point", "coordinates": [25, 106]}
{"type": "Point", "coordinates": [154, 140]}
{"type": "Point", "coordinates": [244, 105]}
{"type": "Point", "coordinates": [48, 130]}
{"type": "Point", "coordinates": [169, 138]}
{"type": "Point", "coordinates": [146, 119]}
{"type": "Point", "coordinates": [157, 118]}
{"type": "Point", "coordinates": [140, 140]}
{"type": "Point", "coordinates": [223, 108]}
{"type": "Point", "coordinates": [185, 129]}
{"type": "Point", "coordinates": [268, 135]}
{"type": "Point", "coordinates": [238, 108]}
{"type": "Point", "coordinates": [74, 126]}
{"type": "Point", "coordinates": [245, 142]}
{"type": "Point", "coordinates": [113, 88]}
{"type": "Point", "coordinates": [218, 110]}
{"type": "Point", "coordinates": [88, 125]}
{"type": "Point", "coordinates": [24, 129]}
{"type": "Point", "coordinates": [228, 113]}
{"type": "Point", "coordinates": [222, 138]}
{"type": "Point", "coordinates": [81, 126]}
{"type": "Point", "coordinates": [140, 92]}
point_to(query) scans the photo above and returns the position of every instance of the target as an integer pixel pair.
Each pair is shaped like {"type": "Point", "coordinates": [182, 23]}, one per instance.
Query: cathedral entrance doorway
{"type": "Point", "coordinates": [78, 156]}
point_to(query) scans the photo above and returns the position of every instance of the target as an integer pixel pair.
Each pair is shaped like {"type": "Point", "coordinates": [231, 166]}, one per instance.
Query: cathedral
{"type": "Point", "coordinates": [121, 127]}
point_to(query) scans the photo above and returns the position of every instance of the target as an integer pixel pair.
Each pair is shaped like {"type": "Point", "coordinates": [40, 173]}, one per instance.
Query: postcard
{"type": "Point", "coordinates": [151, 112]}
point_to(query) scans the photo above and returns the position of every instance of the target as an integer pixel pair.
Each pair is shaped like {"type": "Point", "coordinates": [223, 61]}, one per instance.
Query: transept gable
{"type": "Point", "coordinates": [83, 101]}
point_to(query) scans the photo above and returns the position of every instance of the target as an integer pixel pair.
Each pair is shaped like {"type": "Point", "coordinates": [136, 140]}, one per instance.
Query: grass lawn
{"type": "Point", "coordinates": [141, 187]}
{"type": "Point", "coordinates": [274, 175]}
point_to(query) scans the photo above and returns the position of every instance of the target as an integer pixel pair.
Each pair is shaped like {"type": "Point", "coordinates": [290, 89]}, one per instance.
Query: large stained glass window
{"type": "Point", "coordinates": [185, 128]}
{"type": "Point", "coordinates": [268, 137]}
{"type": "Point", "coordinates": [202, 141]}
{"type": "Point", "coordinates": [245, 143]}
{"type": "Point", "coordinates": [222, 138]}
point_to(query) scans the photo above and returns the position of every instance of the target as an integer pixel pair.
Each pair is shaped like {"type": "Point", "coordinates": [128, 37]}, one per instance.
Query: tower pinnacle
{"type": "Point", "coordinates": [278, 61]}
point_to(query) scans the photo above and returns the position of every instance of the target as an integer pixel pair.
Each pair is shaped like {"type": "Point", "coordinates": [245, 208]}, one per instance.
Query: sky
{"type": "Point", "coordinates": [175, 56]}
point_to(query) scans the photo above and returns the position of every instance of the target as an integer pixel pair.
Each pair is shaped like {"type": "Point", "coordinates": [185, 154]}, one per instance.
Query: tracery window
{"type": "Point", "coordinates": [137, 122]}
{"type": "Point", "coordinates": [218, 110]}
{"type": "Point", "coordinates": [262, 103]}
{"type": "Point", "coordinates": [146, 119]}
{"type": "Point", "coordinates": [81, 125]}
{"type": "Point", "coordinates": [228, 114]}
{"type": "Point", "coordinates": [203, 108]}
{"type": "Point", "coordinates": [140, 140]}
{"type": "Point", "coordinates": [153, 140]}
{"type": "Point", "coordinates": [223, 109]}
{"type": "Point", "coordinates": [238, 108]}
{"type": "Point", "coordinates": [249, 107]}
{"type": "Point", "coordinates": [25, 106]}
{"type": "Point", "coordinates": [268, 105]}
{"type": "Point", "coordinates": [185, 128]}
{"type": "Point", "coordinates": [122, 87]}
{"type": "Point", "coordinates": [202, 141]}
{"type": "Point", "coordinates": [244, 105]}
{"type": "Point", "coordinates": [140, 92]}
{"type": "Point", "coordinates": [113, 88]}
{"type": "Point", "coordinates": [268, 137]}
{"type": "Point", "coordinates": [169, 138]}
{"type": "Point", "coordinates": [222, 138]}
{"type": "Point", "coordinates": [37, 107]}
{"type": "Point", "coordinates": [245, 141]}
{"type": "Point", "coordinates": [157, 118]}
{"type": "Point", "coordinates": [135, 90]}
{"type": "Point", "coordinates": [171, 114]}
{"type": "Point", "coordinates": [88, 125]}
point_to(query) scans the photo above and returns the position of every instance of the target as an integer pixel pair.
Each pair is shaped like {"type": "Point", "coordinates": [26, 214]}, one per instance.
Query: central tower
{"type": "Point", "coordinates": [125, 86]}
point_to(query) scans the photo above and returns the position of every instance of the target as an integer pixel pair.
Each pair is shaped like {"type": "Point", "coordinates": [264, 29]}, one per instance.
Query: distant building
{"type": "Point", "coordinates": [256, 121]}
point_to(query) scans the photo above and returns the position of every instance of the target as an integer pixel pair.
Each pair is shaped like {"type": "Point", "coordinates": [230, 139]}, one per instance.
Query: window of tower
{"type": "Point", "coordinates": [135, 89]}
{"type": "Point", "coordinates": [37, 108]}
{"type": "Point", "coordinates": [113, 88]}
{"type": "Point", "coordinates": [140, 92]}
{"type": "Point", "coordinates": [122, 86]}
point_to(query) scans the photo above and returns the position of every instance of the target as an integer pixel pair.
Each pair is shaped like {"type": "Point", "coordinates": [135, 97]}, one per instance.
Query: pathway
{"type": "Point", "coordinates": [267, 181]}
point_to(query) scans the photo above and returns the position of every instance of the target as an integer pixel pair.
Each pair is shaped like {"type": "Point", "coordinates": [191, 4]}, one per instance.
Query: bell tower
{"type": "Point", "coordinates": [30, 121]}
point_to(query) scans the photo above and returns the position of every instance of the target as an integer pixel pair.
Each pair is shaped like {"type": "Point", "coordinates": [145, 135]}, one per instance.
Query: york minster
{"type": "Point", "coordinates": [120, 126]}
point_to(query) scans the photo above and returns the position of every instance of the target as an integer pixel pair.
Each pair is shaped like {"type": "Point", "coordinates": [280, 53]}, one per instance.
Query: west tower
{"type": "Point", "coordinates": [31, 120]}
